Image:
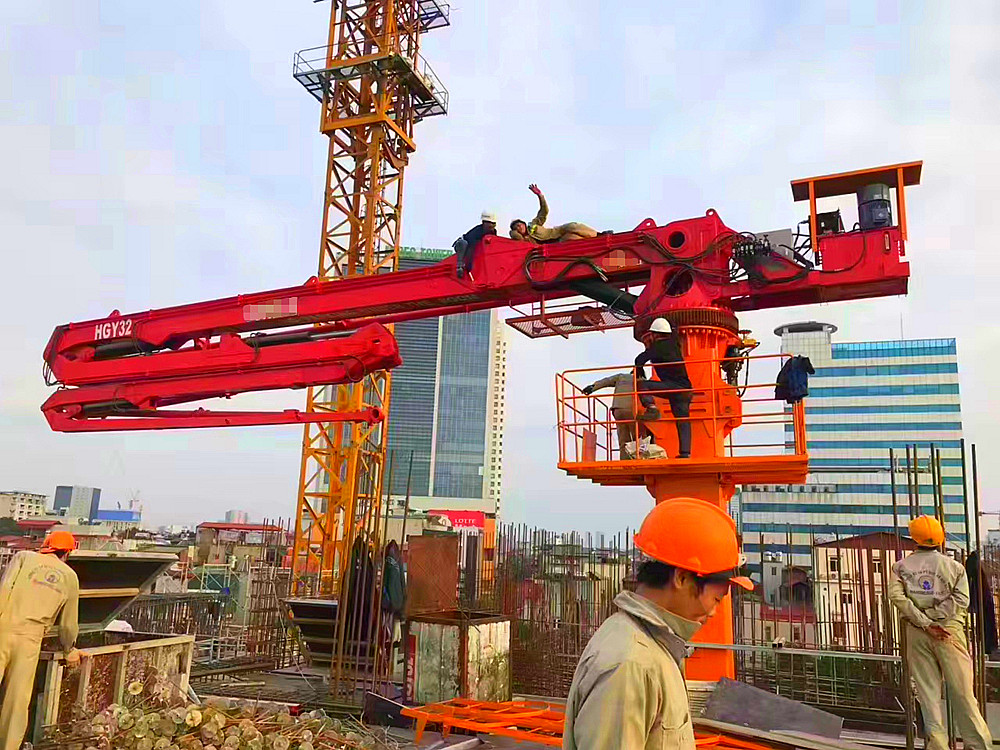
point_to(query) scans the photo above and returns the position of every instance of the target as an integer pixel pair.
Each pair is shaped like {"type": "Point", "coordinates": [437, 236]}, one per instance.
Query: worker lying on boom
{"type": "Point", "coordinates": [931, 592]}
{"type": "Point", "coordinates": [37, 588]}
{"type": "Point", "coordinates": [628, 690]}
{"type": "Point", "coordinates": [663, 351]}
{"type": "Point", "coordinates": [465, 246]}
{"type": "Point", "coordinates": [537, 231]}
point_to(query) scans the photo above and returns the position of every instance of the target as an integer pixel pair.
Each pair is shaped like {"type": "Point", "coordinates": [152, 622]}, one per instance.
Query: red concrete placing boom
{"type": "Point", "coordinates": [119, 372]}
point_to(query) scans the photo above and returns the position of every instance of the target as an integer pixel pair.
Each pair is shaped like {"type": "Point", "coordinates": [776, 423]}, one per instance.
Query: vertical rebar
{"type": "Point", "coordinates": [907, 688]}
{"type": "Point", "coordinates": [895, 505]}
{"type": "Point", "coordinates": [909, 482]}
{"type": "Point", "coordinates": [406, 506]}
{"type": "Point", "coordinates": [981, 661]}
{"type": "Point", "coordinates": [380, 577]}
{"type": "Point", "coordinates": [965, 501]}
{"type": "Point", "coordinates": [940, 493]}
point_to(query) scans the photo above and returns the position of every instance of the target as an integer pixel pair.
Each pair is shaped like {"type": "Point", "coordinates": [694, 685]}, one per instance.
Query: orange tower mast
{"type": "Point", "coordinates": [373, 86]}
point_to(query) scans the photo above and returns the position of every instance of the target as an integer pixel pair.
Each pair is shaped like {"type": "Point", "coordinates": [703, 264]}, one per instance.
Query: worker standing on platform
{"type": "Point", "coordinates": [37, 589]}
{"type": "Point", "coordinates": [663, 351]}
{"type": "Point", "coordinates": [622, 409]}
{"type": "Point", "coordinates": [628, 691]}
{"type": "Point", "coordinates": [537, 231]}
{"type": "Point", "coordinates": [931, 592]}
{"type": "Point", "coordinates": [465, 246]}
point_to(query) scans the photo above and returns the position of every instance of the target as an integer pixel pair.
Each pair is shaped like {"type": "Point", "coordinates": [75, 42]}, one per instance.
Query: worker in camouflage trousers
{"type": "Point", "coordinates": [537, 231]}
{"type": "Point", "coordinates": [931, 592]}
{"type": "Point", "coordinates": [628, 691]}
{"type": "Point", "coordinates": [38, 589]}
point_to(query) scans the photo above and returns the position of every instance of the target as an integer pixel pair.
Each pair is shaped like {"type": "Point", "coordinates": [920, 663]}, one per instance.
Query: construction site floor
{"type": "Point", "coordinates": [291, 688]}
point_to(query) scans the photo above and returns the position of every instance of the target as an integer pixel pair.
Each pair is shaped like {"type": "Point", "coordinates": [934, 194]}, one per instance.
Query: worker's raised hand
{"type": "Point", "coordinates": [534, 188]}
{"type": "Point", "coordinates": [73, 658]}
{"type": "Point", "coordinates": [588, 390]}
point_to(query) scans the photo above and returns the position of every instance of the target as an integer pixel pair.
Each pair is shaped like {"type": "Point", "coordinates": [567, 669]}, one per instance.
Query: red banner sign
{"type": "Point", "coordinates": [462, 519]}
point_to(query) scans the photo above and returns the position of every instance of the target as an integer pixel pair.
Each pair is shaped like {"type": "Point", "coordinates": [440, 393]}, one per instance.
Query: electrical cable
{"type": "Point", "coordinates": [856, 263]}
{"type": "Point", "coordinates": [746, 373]}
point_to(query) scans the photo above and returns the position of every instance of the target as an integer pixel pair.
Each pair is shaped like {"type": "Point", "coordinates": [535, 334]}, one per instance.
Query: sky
{"type": "Point", "coordinates": [161, 154]}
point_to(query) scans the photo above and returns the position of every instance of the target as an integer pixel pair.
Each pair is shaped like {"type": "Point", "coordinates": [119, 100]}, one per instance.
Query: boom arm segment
{"type": "Point", "coordinates": [133, 364]}
{"type": "Point", "coordinates": [133, 399]}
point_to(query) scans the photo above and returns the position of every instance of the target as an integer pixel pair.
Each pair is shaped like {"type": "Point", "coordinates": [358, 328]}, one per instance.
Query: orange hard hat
{"type": "Point", "coordinates": [693, 535]}
{"type": "Point", "coordinates": [59, 541]}
{"type": "Point", "coordinates": [927, 531]}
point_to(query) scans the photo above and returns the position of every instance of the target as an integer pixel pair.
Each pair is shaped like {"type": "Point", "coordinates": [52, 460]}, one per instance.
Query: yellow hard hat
{"type": "Point", "coordinates": [927, 531]}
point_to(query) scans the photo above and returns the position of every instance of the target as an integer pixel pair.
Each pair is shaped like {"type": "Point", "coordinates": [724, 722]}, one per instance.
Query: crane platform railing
{"type": "Point", "coordinates": [748, 433]}
{"type": "Point", "coordinates": [317, 67]}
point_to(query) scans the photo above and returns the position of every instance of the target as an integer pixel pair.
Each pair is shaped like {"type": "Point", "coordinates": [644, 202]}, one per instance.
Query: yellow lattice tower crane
{"type": "Point", "coordinates": [373, 86]}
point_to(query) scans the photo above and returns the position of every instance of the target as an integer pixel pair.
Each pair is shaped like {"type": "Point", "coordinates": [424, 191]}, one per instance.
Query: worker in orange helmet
{"type": "Point", "coordinates": [931, 592]}
{"type": "Point", "coordinates": [628, 690]}
{"type": "Point", "coordinates": [537, 231]}
{"type": "Point", "coordinates": [38, 590]}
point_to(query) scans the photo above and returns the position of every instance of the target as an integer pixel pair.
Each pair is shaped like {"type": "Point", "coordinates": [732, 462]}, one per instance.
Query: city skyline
{"type": "Point", "coordinates": [865, 398]}
{"type": "Point", "coordinates": [448, 406]}
{"type": "Point", "coordinates": [138, 172]}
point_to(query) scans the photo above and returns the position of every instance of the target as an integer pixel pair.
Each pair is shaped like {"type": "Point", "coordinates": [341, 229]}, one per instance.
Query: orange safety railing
{"type": "Point", "coordinates": [743, 418]}
{"type": "Point", "coordinates": [542, 723]}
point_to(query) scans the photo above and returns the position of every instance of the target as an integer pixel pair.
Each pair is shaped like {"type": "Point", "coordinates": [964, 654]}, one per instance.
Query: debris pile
{"type": "Point", "coordinates": [155, 716]}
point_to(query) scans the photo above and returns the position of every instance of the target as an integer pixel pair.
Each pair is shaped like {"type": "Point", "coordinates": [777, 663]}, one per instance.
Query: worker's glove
{"type": "Point", "coordinates": [534, 188]}
{"type": "Point", "coordinates": [588, 390]}
{"type": "Point", "coordinates": [73, 658]}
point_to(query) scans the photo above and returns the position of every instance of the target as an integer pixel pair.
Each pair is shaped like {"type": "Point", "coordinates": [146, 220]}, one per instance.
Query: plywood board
{"type": "Point", "coordinates": [431, 573]}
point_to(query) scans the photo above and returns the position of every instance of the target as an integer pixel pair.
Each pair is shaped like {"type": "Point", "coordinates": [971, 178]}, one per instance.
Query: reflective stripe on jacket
{"type": "Point", "coordinates": [628, 691]}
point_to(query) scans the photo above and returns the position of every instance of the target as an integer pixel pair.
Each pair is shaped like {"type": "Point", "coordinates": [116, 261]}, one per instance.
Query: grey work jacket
{"type": "Point", "coordinates": [930, 588]}
{"type": "Point", "coordinates": [625, 387]}
{"type": "Point", "coordinates": [628, 691]}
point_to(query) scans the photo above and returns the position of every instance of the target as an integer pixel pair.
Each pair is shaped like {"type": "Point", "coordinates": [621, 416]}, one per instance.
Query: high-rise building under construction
{"type": "Point", "coordinates": [864, 399]}
{"type": "Point", "coordinates": [448, 405]}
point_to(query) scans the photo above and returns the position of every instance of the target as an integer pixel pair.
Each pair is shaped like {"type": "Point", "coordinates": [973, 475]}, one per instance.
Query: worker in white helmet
{"type": "Point", "coordinates": [663, 352]}
{"type": "Point", "coordinates": [466, 245]}
{"type": "Point", "coordinates": [537, 231]}
{"type": "Point", "coordinates": [931, 592]}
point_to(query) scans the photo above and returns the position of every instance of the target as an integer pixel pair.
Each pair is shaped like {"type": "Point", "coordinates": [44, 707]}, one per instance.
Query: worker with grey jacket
{"type": "Point", "coordinates": [622, 406]}
{"type": "Point", "coordinates": [628, 691]}
{"type": "Point", "coordinates": [931, 592]}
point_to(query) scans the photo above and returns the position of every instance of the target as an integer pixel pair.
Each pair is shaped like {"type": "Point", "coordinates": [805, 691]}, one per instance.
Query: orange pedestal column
{"type": "Point", "coordinates": [715, 411]}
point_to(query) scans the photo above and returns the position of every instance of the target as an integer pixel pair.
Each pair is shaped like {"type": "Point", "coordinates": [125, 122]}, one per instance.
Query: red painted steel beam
{"type": "Point", "coordinates": [186, 353]}
{"type": "Point", "coordinates": [864, 264]}
{"type": "Point", "coordinates": [169, 419]}
{"type": "Point", "coordinates": [229, 369]}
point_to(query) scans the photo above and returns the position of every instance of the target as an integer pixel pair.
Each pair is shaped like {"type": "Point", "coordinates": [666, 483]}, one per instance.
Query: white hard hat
{"type": "Point", "coordinates": [660, 325]}
{"type": "Point", "coordinates": [489, 216]}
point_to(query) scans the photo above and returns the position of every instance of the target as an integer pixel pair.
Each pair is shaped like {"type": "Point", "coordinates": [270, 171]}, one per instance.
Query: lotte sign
{"type": "Point", "coordinates": [462, 519]}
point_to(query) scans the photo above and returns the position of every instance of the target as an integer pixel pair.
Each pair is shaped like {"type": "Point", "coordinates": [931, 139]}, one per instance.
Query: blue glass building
{"type": "Point", "coordinates": [447, 405]}
{"type": "Point", "coordinates": [864, 399]}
